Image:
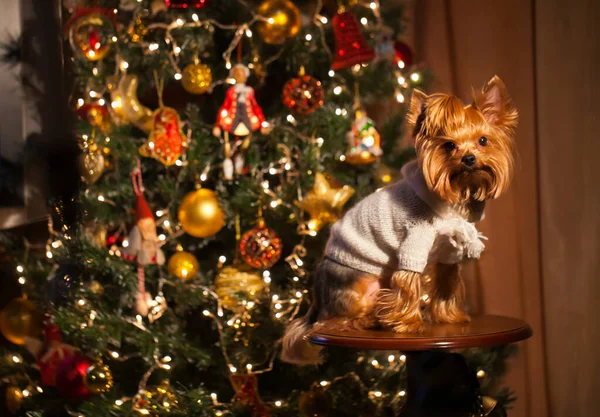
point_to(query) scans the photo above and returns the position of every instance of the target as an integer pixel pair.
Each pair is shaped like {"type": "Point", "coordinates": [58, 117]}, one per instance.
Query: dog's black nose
{"type": "Point", "coordinates": [468, 160]}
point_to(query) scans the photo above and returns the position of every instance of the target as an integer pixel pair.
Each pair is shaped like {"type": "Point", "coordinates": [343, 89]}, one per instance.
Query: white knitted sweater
{"type": "Point", "coordinates": [403, 226]}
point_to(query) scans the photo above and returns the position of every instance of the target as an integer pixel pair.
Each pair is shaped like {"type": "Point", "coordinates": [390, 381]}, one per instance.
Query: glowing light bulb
{"type": "Point", "coordinates": [308, 37]}
{"type": "Point", "coordinates": [177, 76]}
{"type": "Point", "coordinates": [415, 76]}
{"type": "Point", "coordinates": [337, 90]}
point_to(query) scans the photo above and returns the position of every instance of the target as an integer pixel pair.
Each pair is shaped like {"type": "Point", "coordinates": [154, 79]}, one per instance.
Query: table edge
{"type": "Point", "coordinates": [410, 344]}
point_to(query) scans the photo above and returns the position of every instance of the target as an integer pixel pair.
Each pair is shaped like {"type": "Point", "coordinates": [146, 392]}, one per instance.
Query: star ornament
{"type": "Point", "coordinates": [325, 202]}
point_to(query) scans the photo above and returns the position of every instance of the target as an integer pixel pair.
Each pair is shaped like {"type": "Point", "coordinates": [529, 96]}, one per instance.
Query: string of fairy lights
{"type": "Point", "coordinates": [284, 307]}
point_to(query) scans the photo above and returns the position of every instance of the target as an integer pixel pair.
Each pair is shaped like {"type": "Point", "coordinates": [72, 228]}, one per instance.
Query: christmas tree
{"type": "Point", "coordinates": [219, 139]}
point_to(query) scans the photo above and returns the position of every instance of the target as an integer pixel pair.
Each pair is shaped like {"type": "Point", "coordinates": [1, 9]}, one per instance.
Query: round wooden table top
{"type": "Point", "coordinates": [481, 331]}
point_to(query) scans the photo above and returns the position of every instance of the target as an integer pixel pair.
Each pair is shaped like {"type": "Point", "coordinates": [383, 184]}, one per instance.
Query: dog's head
{"type": "Point", "coordinates": [465, 152]}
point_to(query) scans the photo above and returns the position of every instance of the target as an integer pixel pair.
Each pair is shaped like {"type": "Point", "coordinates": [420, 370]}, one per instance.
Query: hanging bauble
{"type": "Point", "coordinates": [14, 398]}
{"type": "Point", "coordinates": [78, 377]}
{"type": "Point", "coordinates": [124, 103]}
{"type": "Point", "coordinates": [20, 319]}
{"type": "Point", "coordinates": [90, 32]}
{"type": "Point", "coordinates": [364, 142]}
{"type": "Point", "coordinates": [200, 213]}
{"type": "Point", "coordinates": [351, 47]}
{"type": "Point", "coordinates": [137, 29]}
{"type": "Point", "coordinates": [325, 202]}
{"type": "Point", "coordinates": [96, 288]}
{"type": "Point", "coordinates": [404, 54]}
{"type": "Point", "coordinates": [90, 164]}
{"type": "Point", "coordinates": [186, 4]}
{"type": "Point", "coordinates": [156, 400]}
{"type": "Point", "coordinates": [96, 115]}
{"type": "Point", "coordinates": [281, 21]}
{"type": "Point", "coordinates": [196, 78]}
{"type": "Point", "coordinates": [315, 403]}
{"type": "Point", "coordinates": [237, 282]}
{"type": "Point", "coordinates": [260, 247]}
{"type": "Point", "coordinates": [61, 280]}
{"type": "Point", "coordinates": [183, 265]}
{"type": "Point", "coordinates": [303, 94]}
{"type": "Point", "coordinates": [166, 142]}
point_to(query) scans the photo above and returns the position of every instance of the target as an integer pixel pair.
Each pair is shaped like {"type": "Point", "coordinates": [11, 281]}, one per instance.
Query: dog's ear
{"type": "Point", "coordinates": [496, 105]}
{"type": "Point", "coordinates": [417, 107]}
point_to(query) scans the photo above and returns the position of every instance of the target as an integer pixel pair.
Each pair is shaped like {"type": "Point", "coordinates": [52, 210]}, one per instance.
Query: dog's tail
{"type": "Point", "coordinates": [296, 349]}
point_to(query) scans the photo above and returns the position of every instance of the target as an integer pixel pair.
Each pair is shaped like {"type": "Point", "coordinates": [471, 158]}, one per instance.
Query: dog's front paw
{"type": "Point", "coordinates": [415, 327]}
{"type": "Point", "coordinates": [443, 312]}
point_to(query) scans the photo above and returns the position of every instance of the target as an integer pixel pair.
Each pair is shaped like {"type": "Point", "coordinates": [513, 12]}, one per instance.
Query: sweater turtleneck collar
{"type": "Point", "coordinates": [413, 175]}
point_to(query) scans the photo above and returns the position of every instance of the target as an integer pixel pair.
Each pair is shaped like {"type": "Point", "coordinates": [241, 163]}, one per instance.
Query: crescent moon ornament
{"type": "Point", "coordinates": [124, 103]}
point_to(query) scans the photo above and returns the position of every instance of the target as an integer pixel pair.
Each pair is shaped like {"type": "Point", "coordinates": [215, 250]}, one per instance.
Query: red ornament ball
{"type": "Point", "coordinates": [403, 53]}
{"type": "Point", "coordinates": [303, 94]}
{"type": "Point", "coordinates": [78, 377]}
{"type": "Point", "coordinates": [70, 377]}
{"type": "Point", "coordinates": [260, 246]}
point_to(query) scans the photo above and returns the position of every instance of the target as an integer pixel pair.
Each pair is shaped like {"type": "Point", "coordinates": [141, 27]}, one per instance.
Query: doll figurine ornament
{"type": "Point", "coordinates": [372, 271]}
{"type": "Point", "coordinates": [240, 115]}
{"type": "Point", "coordinates": [143, 244]}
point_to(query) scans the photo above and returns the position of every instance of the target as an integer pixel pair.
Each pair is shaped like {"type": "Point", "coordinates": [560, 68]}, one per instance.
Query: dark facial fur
{"type": "Point", "coordinates": [465, 152]}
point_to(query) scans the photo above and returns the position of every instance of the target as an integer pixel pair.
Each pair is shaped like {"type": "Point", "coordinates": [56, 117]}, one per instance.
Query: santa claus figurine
{"type": "Point", "coordinates": [143, 244]}
{"type": "Point", "coordinates": [239, 116]}
{"type": "Point", "coordinates": [49, 352]}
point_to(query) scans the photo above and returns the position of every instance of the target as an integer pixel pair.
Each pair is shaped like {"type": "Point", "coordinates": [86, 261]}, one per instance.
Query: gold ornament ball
{"type": "Point", "coordinates": [183, 265]}
{"type": "Point", "coordinates": [90, 165]}
{"type": "Point", "coordinates": [282, 21]}
{"type": "Point", "coordinates": [14, 398]}
{"type": "Point", "coordinates": [196, 78]}
{"type": "Point", "coordinates": [200, 213]}
{"type": "Point", "coordinates": [98, 378]}
{"type": "Point", "coordinates": [156, 401]}
{"type": "Point", "coordinates": [236, 279]}
{"type": "Point", "coordinates": [20, 319]}
{"type": "Point", "coordinates": [96, 288]}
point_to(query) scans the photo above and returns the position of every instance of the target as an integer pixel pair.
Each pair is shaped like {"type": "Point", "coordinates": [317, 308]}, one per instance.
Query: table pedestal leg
{"type": "Point", "coordinates": [439, 384]}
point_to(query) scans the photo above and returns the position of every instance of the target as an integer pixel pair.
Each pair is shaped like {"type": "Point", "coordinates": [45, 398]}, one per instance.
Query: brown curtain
{"type": "Point", "coordinates": [542, 260]}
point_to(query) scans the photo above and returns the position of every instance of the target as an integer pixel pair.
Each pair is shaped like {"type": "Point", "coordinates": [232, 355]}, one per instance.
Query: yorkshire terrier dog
{"type": "Point", "coordinates": [372, 273]}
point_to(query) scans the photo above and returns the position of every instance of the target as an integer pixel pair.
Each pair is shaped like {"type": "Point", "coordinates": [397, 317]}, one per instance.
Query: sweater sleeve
{"type": "Point", "coordinates": [415, 247]}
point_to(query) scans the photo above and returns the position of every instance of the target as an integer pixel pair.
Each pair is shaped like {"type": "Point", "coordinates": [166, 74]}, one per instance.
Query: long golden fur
{"type": "Point", "coordinates": [467, 156]}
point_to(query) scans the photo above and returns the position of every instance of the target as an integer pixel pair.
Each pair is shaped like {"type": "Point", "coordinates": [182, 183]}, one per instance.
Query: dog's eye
{"type": "Point", "coordinates": [483, 141]}
{"type": "Point", "coordinates": [449, 146]}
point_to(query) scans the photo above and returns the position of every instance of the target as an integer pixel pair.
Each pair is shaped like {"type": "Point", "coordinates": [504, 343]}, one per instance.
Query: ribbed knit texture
{"type": "Point", "coordinates": [402, 227]}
